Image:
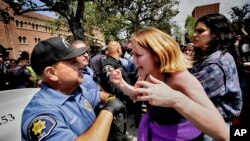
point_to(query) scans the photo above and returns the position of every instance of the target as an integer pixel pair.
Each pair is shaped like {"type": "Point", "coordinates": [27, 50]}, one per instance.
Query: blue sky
{"type": "Point", "coordinates": [47, 13]}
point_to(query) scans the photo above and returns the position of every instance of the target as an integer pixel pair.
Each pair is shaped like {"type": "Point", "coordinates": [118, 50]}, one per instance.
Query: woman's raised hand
{"type": "Point", "coordinates": [156, 92]}
{"type": "Point", "coordinates": [115, 76]}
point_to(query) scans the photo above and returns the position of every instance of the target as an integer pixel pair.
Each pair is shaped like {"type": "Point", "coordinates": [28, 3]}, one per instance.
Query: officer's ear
{"type": "Point", "coordinates": [50, 73]}
{"type": "Point", "coordinates": [119, 50]}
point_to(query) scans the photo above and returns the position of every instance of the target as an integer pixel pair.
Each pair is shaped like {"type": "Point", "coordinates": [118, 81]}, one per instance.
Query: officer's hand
{"type": "Point", "coordinates": [114, 105]}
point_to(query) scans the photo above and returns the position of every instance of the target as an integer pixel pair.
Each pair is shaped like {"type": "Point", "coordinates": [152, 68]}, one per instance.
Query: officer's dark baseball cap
{"type": "Point", "coordinates": [51, 51]}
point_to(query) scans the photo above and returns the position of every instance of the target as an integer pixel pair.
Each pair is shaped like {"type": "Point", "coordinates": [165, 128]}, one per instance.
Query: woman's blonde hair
{"type": "Point", "coordinates": [165, 47]}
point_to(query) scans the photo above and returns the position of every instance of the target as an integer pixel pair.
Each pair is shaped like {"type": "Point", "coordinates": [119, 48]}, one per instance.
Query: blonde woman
{"type": "Point", "coordinates": [178, 107]}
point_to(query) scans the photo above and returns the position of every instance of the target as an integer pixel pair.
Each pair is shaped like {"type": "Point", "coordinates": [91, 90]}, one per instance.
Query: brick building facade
{"type": "Point", "coordinates": [25, 31]}
{"type": "Point", "coordinates": [200, 11]}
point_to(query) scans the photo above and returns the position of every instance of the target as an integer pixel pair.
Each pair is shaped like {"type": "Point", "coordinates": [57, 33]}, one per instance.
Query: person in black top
{"type": "Point", "coordinates": [114, 52]}
{"type": "Point", "coordinates": [21, 75]}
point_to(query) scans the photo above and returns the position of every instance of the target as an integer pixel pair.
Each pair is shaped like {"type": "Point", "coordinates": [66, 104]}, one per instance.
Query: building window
{"type": "Point", "coordinates": [25, 25]}
{"type": "Point", "coordinates": [22, 40]}
{"type": "Point", "coordinates": [36, 26]}
{"type": "Point", "coordinates": [17, 23]}
{"type": "Point", "coordinates": [21, 24]}
{"type": "Point", "coordinates": [43, 28]}
{"type": "Point", "coordinates": [29, 25]}
{"type": "Point", "coordinates": [37, 40]}
{"type": "Point", "coordinates": [33, 26]}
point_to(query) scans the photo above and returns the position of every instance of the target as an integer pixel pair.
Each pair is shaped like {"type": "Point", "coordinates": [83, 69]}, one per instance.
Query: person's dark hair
{"type": "Point", "coordinates": [95, 50]}
{"type": "Point", "coordinates": [25, 55]}
{"type": "Point", "coordinates": [221, 27]}
{"type": "Point", "coordinates": [21, 59]}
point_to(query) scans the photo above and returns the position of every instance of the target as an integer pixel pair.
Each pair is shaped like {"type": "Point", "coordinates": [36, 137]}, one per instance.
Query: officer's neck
{"type": "Point", "coordinates": [115, 55]}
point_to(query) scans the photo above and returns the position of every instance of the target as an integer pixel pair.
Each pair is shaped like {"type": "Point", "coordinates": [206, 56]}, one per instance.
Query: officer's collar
{"type": "Point", "coordinates": [59, 97]}
{"type": "Point", "coordinates": [113, 58]}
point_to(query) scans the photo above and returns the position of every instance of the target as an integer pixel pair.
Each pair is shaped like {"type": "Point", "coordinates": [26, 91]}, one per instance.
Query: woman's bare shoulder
{"type": "Point", "coordinates": [183, 79]}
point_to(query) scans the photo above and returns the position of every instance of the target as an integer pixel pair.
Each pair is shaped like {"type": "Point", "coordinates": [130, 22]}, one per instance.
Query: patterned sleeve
{"type": "Point", "coordinates": [212, 78]}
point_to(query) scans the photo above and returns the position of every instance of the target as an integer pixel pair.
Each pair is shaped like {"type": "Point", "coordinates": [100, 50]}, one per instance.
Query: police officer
{"type": "Point", "coordinates": [114, 53]}
{"type": "Point", "coordinates": [112, 60]}
{"type": "Point", "coordinates": [61, 110]}
{"type": "Point", "coordinates": [88, 80]}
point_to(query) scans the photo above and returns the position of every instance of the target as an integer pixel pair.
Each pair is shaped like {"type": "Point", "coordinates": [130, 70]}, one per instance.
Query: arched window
{"type": "Point", "coordinates": [36, 26]}
{"type": "Point", "coordinates": [20, 39]}
{"type": "Point", "coordinates": [43, 28]}
{"type": "Point", "coordinates": [21, 24]}
{"type": "Point", "coordinates": [35, 40]}
{"type": "Point", "coordinates": [29, 25]}
{"type": "Point", "coordinates": [17, 23]}
{"type": "Point", "coordinates": [25, 25]}
{"type": "Point", "coordinates": [33, 26]}
{"type": "Point", "coordinates": [24, 39]}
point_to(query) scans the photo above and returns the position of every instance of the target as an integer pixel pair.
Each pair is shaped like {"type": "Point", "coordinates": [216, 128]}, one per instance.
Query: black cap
{"type": "Point", "coordinates": [51, 51]}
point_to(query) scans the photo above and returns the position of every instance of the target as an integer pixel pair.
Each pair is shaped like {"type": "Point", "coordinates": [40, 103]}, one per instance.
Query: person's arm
{"type": "Point", "coordinates": [115, 77]}
{"type": "Point", "coordinates": [33, 80]}
{"type": "Point", "coordinates": [30, 77]}
{"type": "Point", "coordinates": [193, 103]}
{"type": "Point", "coordinates": [99, 131]}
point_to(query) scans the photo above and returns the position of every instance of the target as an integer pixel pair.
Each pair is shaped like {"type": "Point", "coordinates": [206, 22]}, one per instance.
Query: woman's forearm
{"type": "Point", "coordinates": [198, 115]}
{"type": "Point", "coordinates": [127, 89]}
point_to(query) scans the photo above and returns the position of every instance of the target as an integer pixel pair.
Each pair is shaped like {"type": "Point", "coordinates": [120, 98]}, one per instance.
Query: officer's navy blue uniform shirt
{"type": "Point", "coordinates": [53, 116]}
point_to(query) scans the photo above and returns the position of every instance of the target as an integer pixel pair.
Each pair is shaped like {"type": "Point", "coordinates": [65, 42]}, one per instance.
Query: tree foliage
{"type": "Point", "coordinates": [116, 18]}
{"type": "Point", "coordinates": [189, 26]}
{"type": "Point", "coordinates": [5, 17]}
{"type": "Point", "coordinates": [177, 33]}
{"type": "Point", "coordinates": [126, 17]}
{"type": "Point", "coordinates": [241, 19]}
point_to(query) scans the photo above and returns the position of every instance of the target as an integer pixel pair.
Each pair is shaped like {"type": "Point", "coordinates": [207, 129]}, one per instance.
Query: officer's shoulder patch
{"type": "Point", "coordinates": [40, 127]}
{"type": "Point", "coordinates": [107, 68]}
{"type": "Point", "coordinates": [88, 106]}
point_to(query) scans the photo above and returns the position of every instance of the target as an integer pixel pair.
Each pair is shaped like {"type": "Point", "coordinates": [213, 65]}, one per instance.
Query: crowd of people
{"type": "Point", "coordinates": [17, 73]}
{"type": "Point", "coordinates": [190, 93]}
